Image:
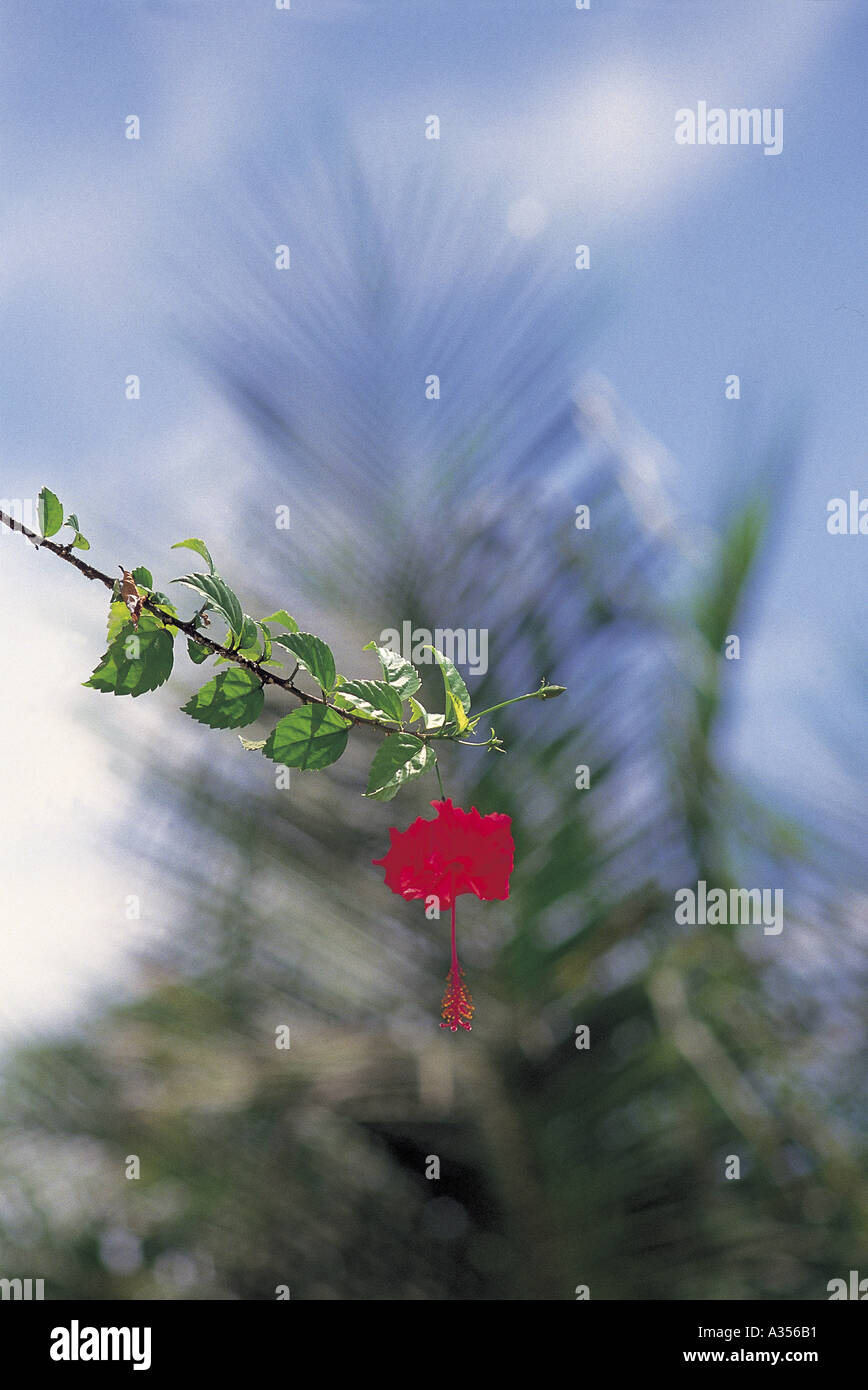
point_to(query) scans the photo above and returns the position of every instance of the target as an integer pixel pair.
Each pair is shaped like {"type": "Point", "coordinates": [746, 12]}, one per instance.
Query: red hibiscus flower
{"type": "Point", "coordinates": [459, 852]}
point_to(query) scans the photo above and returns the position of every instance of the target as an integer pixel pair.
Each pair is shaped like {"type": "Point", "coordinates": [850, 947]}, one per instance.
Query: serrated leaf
{"type": "Point", "coordinates": [252, 745]}
{"type": "Point", "coordinates": [266, 642]}
{"type": "Point", "coordinates": [229, 701]}
{"type": "Point", "coordinates": [417, 711]}
{"type": "Point", "coordinates": [137, 661]}
{"type": "Point", "coordinates": [200, 548]}
{"type": "Point", "coordinates": [143, 577]}
{"type": "Point", "coordinates": [50, 513]}
{"type": "Point", "coordinates": [370, 699]}
{"type": "Point", "coordinates": [196, 652]}
{"type": "Point", "coordinates": [313, 654]}
{"type": "Point", "coordinates": [400, 758]}
{"type": "Point", "coordinates": [310, 737]}
{"type": "Point", "coordinates": [398, 672]}
{"type": "Point", "coordinates": [72, 520]}
{"type": "Point", "coordinates": [220, 597]}
{"type": "Point", "coordinates": [457, 697]}
{"type": "Point", "coordinates": [79, 542]}
{"type": "Point", "coordinates": [284, 618]}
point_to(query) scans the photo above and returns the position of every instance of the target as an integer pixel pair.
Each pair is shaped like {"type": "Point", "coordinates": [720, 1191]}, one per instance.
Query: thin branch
{"type": "Point", "coordinates": [64, 552]}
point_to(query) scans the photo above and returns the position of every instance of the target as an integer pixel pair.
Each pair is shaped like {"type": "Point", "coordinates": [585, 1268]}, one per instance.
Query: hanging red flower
{"type": "Point", "coordinates": [459, 852]}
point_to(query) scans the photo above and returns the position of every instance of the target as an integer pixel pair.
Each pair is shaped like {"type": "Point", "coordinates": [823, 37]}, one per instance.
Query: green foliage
{"type": "Point", "coordinates": [119, 618]}
{"type": "Point", "coordinates": [140, 657]}
{"type": "Point", "coordinates": [313, 655]}
{"type": "Point", "coordinates": [282, 617]}
{"type": "Point", "coordinates": [137, 661]}
{"type": "Point", "coordinates": [370, 699]}
{"type": "Point", "coordinates": [220, 597]}
{"type": "Point", "coordinates": [417, 711]}
{"type": "Point", "coordinates": [400, 758]}
{"type": "Point", "coordinates": [196, 652]}
{"type": "Point", "coordinates": [229, 701]}
{"type": "Point", "coordinates": [311, 737]}
{"type": "Point", "coordinates": [200, 548]}
{"type": "Point", "coordinates": [78, 541]}
{"type": "Point", "coordinates": [50, 513]}
{"type": "Point", "coordinates": [248, 640]}
{"type": "Point", "coordinates": [457, 697]}
{"type": "Point", "coordinates": [396, 671]}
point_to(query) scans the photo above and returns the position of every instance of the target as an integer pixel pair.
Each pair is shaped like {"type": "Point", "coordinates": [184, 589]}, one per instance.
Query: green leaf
{"type": "Point", "coordinates": [118, 618]}
{"type": "Point", "coordinates": [249, 639]}
{"type": "Point", "coordinates": [370, 699]}
{"type": "Point", "coordinates": [310, 737]}
{"type": "Point", "coordinates": [120, 623]}
{"type": "Point", "coordinates": [457, 697]}
{"type": "Point", "coordinates": [220, 597]}
{"type": "Point", "coordinates": [246, 644]}
{"type": "Point", "coordinates": [266, 642]}
{"type": "Point", "coordinates": [229, 701]}
{"type": "Point", "coordinates": [200, 548]}
{"type": "Point", "coordinates": [78, 541]}
{"type": "Point", "coordinates": [252, 745]}
{"type": "Point", "coordinates": [135, 662]}
{"type": "Point", "coordinates": [432, 722]}
{"type": "Point", "coordinates": [50, 513]}
{"type": "Point", "coordinates": [313, 654]}
{"type": "Point", "coordinates": [143, 577]}
{"type": "Point", "coordinates": [400, 758]}
{"type": "Point", "coordinates": [197, 652]}
{"type": "Point", "coordinates": [398, 672]}
{"type": "Point", "coordinates": [284, 618]}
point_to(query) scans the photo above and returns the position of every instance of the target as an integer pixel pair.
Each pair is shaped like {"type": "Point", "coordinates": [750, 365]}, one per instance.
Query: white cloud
{"type": "Point", "coordinates": [62, 931]}
{"type": "Point", "coordinates": [600, 144]}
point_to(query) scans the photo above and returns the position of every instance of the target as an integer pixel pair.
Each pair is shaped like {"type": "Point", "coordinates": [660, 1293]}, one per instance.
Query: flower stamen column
{"type": "Point", "coordinates": [457, 1008]}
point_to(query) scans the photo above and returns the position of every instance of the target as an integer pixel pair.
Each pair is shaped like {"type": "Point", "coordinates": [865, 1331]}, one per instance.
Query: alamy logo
{"type": "Point", "coordinates": [75, 1343]}
{"type": "Point", "coordinates": [464, 646]}
{"type": "Point", "coordinates": [739, 125]}
{"type": "Point", "coordinates": [838, 1288]}
{"type": "Point", "coordinates": [847, 519]}
{"type": "Point", "coordinates": [22, 511]}
{"type": "Point", "coordinates": [740, 907]}
{"type": "Point", "coordinates": [22, 1289]}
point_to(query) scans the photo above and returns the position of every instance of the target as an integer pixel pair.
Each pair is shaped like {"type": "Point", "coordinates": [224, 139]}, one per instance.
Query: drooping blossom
{"type": "Point", "coordinates": [458, 852]}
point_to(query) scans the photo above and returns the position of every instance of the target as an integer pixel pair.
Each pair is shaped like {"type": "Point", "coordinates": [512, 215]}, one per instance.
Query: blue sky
{"type": "Point", "coordinates": [712, 260]}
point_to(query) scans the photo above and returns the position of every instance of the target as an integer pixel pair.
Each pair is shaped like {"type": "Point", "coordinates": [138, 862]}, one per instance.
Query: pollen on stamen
{"type": "Point", "coordinates": [457, 1008]}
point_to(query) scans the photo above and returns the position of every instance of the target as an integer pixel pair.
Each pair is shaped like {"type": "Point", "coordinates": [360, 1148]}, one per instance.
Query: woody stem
{"type": "Point", "coordinates": [191, 630]}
